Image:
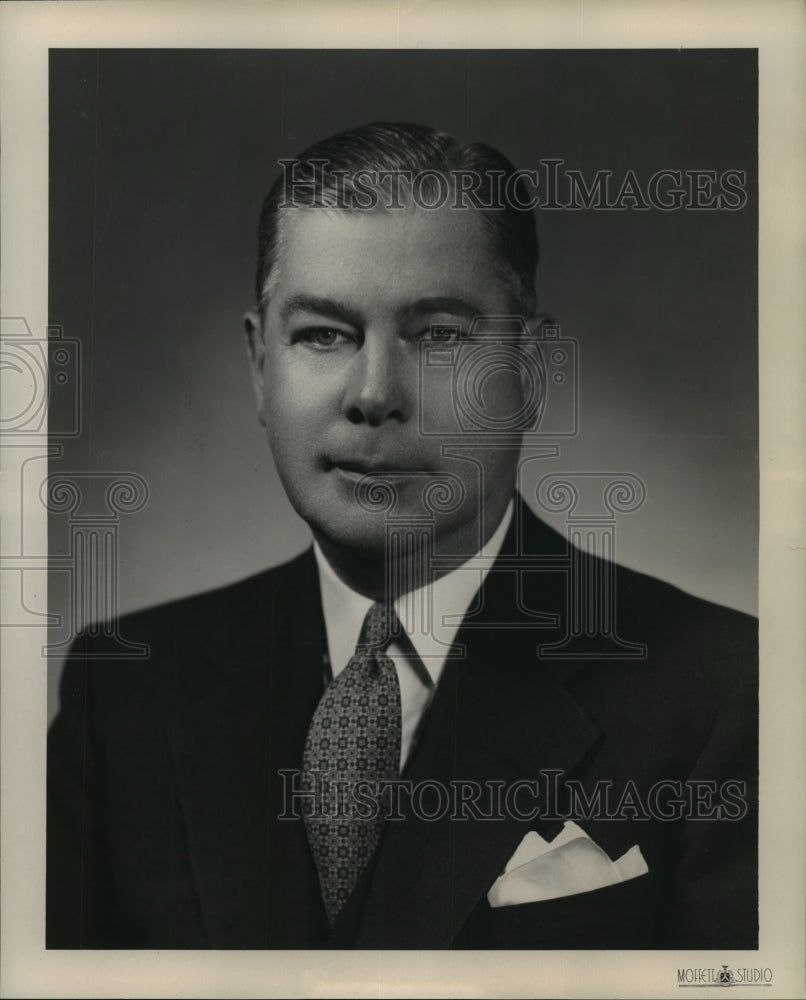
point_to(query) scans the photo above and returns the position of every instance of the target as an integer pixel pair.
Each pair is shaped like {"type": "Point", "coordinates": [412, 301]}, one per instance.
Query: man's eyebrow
{"type": "Point", "coordinates": [321, 305]}
{"type": "Point", "coordinates": [449, 304]}
{"type": "Point", "coordinates": [325, 306]}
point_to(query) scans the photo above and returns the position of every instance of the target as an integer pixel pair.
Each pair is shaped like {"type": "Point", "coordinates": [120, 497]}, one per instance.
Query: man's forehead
{"type": "Point", "coordinates": [412, 255]}
{"type": "Point", "coordinates": [438, 227]}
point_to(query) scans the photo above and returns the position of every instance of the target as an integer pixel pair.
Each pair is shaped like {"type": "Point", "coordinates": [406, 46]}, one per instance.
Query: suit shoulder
{"type": "Point", "coordinates": [698, 656]}
{"type": "Point", "coordinates": [239, 599]}
{"type": "Point", "coordinates": [697, 665]}
{"type": "Point", "coordinates": [667, 610]}
{"type": "Point", "coordinates": [275, 581]}
{"type": "Point", "coordinates": [188, 642]}
{"type": "Point", "coordinates": [641, 599]}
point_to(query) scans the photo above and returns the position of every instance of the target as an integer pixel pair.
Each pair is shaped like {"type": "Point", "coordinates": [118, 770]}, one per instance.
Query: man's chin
{"type": "Point", "coordinates": [351, 530]}
{"type": "Point", "coordinates": [373, 521]}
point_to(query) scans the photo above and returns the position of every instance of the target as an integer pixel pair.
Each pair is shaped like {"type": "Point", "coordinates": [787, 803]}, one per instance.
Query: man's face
{"type": "Point", "coordinates": [336, 363]}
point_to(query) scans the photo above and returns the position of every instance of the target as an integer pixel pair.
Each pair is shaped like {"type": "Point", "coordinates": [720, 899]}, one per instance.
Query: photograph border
{"type": "Point", "coordinates": [778, 30]}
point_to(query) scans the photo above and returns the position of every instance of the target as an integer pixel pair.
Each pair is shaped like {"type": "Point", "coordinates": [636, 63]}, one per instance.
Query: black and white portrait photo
{"type": "Point", "coordinates": [535, 748]}
{"type": "Point", "coordinates": [393, 426]}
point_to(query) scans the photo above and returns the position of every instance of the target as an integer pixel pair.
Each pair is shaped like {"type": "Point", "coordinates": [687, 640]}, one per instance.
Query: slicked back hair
{"type": "Point", "coordinates": [337, 173]}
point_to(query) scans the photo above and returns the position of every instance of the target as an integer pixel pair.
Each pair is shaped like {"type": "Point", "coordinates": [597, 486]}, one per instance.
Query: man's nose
{"type": "Point", "coordinates": [377, 389]}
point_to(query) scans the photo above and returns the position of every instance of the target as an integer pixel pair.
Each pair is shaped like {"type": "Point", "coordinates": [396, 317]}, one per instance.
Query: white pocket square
{"type": "Point", "coordinates": [571, 863]}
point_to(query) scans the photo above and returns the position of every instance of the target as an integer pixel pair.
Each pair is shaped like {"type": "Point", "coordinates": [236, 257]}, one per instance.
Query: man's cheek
{"type": "Point", "coordinates": [286, 403]}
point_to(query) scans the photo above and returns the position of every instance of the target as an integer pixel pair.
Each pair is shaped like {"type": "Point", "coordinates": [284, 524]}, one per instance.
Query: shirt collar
{"type": "Point", "coordinates": [445, 602]}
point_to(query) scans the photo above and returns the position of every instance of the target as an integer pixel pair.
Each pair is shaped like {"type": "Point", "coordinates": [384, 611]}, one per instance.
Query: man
{"type": "Point", "coordinates": [408, 736]}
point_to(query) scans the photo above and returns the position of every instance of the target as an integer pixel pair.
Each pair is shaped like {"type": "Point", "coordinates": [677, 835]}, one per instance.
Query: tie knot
{"type": "Point", "coordinates": [380, 628]}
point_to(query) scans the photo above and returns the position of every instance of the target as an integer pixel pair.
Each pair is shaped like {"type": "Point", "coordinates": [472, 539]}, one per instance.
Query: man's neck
{"type": "Point", "coordinates": [373, 576]}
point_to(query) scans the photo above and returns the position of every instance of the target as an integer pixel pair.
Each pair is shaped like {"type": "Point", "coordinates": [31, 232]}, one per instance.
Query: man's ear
{"type": "Point", "coordinates": [256, 348]}
{"type": "Point", "coordinates": [533, 357]}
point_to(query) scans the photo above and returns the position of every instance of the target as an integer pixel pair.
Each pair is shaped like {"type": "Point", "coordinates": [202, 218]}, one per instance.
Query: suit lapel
{"type": "Point", "coordinates": [499, 715]}
{"type": "Point", "coordinates": [220, 755]}
{"type": "Point", "coordinates": [256, 882]}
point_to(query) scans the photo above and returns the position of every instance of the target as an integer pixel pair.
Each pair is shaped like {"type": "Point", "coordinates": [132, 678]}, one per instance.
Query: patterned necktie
{"type": "Point", "coordinates": [354, 737]}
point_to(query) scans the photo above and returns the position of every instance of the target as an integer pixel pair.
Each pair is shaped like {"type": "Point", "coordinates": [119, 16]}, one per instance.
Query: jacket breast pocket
{"type": "Point", "coordinates": [625, 915]}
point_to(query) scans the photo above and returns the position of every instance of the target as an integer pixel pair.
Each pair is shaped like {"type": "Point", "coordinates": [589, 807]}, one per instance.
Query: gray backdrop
{"type": "Point", "coordinates": [159, 161]}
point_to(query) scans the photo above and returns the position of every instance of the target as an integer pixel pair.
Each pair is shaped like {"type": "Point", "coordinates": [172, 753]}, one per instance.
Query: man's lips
{"type": "Point", "coordinates": [374, 467]}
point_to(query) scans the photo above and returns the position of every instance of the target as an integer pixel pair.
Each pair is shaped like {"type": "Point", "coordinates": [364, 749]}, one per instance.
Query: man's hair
{"type": "Point", "coordinates": [337, 173]}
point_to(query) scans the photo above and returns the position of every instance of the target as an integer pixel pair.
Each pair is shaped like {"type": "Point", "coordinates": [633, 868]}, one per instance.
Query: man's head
{"type": "Point", "coordinates": [366, 242]}
{"type": "Point", "coordinates": [387, 165]}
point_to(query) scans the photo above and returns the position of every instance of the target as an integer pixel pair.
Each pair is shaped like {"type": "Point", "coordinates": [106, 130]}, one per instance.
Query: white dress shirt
{"type": "Point", "coordinates": [444, 603]}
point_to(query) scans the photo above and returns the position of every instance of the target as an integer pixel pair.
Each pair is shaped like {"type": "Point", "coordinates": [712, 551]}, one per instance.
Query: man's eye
{"type": "Point", "coordinates": [446, 332]}
{"type": "Point", "coordinates": [321, 336]}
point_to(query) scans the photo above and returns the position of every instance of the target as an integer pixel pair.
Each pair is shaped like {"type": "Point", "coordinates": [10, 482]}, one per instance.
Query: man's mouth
{"type": "Point", "coordinates": [362, 467]}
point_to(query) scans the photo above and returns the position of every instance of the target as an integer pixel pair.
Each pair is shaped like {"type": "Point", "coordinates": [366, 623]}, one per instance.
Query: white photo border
{"type": "Point", "coordinates": [777, 28]}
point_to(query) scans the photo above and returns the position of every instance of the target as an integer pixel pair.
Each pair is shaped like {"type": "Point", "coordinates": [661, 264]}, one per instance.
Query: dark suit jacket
{"type": "Point", "coordinates": [164, 784]}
